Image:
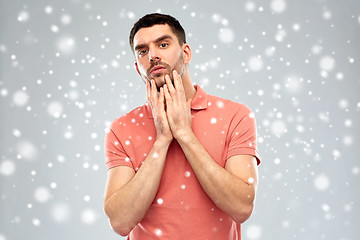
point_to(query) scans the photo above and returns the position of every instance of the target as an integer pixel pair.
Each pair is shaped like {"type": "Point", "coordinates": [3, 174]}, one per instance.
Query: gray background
{"type": "Point", "coordinates": [66, 71]}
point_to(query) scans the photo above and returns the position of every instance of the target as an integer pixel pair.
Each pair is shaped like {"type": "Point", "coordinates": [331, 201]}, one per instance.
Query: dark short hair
{"type": "Point", "coordinates": [152, 19]}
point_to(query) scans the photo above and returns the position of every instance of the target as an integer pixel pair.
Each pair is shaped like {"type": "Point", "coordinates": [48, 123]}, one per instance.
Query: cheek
{"type": "Point", "coordinates": [142, 68]}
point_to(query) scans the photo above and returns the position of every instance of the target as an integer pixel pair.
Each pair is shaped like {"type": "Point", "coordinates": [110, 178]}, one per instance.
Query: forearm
{"type": "Point", "coordinates": [127, 206]}
{"type": "Point", "coordinates": [233, 195]}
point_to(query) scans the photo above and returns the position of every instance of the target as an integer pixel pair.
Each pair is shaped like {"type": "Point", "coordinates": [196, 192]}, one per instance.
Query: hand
{"type": "Point", "coordinates": [178, 109]}
{"type": "Point", "coordinates": [157, 105]}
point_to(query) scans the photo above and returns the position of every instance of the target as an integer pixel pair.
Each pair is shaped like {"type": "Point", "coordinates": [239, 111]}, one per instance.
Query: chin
{"type": "Point", "coordinates": [159, 84]}
{"type": "Point", "coordinates": [159, 80]}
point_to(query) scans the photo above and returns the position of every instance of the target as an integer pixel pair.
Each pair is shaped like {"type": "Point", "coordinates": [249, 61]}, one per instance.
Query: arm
{"type": "Point", "coordinates": [128, 195]}
{"type": "Point", "coordinates": [232, 189]}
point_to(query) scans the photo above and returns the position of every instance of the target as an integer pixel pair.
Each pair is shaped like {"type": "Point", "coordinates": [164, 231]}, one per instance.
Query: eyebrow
{"type": "Point", "coordinates": [159, 39]}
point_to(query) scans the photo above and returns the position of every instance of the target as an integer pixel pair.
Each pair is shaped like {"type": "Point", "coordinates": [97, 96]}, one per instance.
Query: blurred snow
{"type": "Point", "coordinates": [20, 98]}
{"type": "Point", "coordinates": [66, 72]}
{"type": "Point", "coordinates": [55, 109]}
{"type": "Point", "coordinates": [213, 120]}
{"type": "Point", "coordinates": [65, 45]}
{"type": "Point", "coordinates": [48, 9]}
{"type": "Point", "coordinates": [60, 212]}
{"type": "Point", "coordinates": [88, 216]}
{"type": "Point", "coordinates": [322, 182]}
{"type": "Point", "coordinates": [253, 232]}
{"type": "Point", "coordinates": [36, 222]}
{"type": "Point", "coordinates": [23, 16]}
{"type": "Point", "coordinates": [226, 35]}
{"type": "Point", "coordinates": [66, 19]}
{"type": "Point", "coordinates": [42, 194]}
{"type": "Point", "coordinates": [158, 232]}
{"type": "Point", "coordinates": [7, 167]}
{"type": "Point", "coordinates": [250, 6]}
{"type": "Point", "coordinates": [327, 63]}
{"type": "Point", "coordinates": [255, 63]}
{"type": "Point", "coordinates": [27, 150]}
{"type": "Point", "coordinates": [293, 84]}
{"type": "Point", "coordinates": [278, 6]}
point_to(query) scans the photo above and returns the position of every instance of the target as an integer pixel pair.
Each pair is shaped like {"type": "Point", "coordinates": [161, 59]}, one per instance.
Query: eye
{"type": "Point", "coordinates": [164, 45]}
{"type": "Point", "coordinates": [142, 52]}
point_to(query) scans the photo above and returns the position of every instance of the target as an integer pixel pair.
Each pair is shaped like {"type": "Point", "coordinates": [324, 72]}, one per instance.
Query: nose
{"type": "Point", "coordinates": [153, 55]}
{"type": "Point", "coordinates": [154, 59]}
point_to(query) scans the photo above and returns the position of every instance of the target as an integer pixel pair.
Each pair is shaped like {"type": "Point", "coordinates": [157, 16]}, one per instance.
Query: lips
{"type": "Point", "coordinates": [157, 69]}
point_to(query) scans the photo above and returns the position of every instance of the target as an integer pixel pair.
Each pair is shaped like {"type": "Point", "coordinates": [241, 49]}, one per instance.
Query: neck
{"type": "Point", "coordinates": [189, 88]}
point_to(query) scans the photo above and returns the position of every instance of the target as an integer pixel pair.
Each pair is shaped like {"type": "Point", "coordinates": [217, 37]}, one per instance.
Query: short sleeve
{"type": "Point", "coordinates": [115, 154]}
{"type": "Point", "coordinates": [242, 134]}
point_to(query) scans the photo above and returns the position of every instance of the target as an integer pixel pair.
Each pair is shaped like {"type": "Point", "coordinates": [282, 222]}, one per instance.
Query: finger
{"type": "Point", "coordinates": [169, 84]}
{"type": "Point", "coordinates": [161, 98]}
{"type": "Point", "coordinates": [148, 90]}
{"type": "Point", "coordinates": [177, 80]}
{"type": "Point", "coordinates": [154, 95]}
{"type": "Point", "coordinates": [179, 86]}
{"type": "Point", "coordinates": [167, 94]}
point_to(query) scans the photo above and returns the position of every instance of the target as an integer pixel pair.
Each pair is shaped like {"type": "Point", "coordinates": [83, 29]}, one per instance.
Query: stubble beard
{"type": "Point", "coordinates": [179, 64]}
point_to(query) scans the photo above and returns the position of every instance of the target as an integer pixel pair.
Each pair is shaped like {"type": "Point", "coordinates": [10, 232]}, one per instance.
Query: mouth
{"type": "Point", "coordinates": [157, 69]}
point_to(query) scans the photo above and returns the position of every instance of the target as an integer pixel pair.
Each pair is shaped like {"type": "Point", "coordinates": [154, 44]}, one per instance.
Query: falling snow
{"type": "Point", "coordinates": [36, 222]}
{"type": "Point", "coordinates": [65, 45]}
{"type": "Point", "coordinates": [253, 232]}
{"type": "Point", "coordinates": [250, 6]}
{"type": "Point", "coordinates": [327, 63]}
{"type": "Point", "coordinates": [322, 182]}
{"type": "Point", "coordinates": [255, 63]}
{"type": "Point", "coordinates": [27, 150]}
{"type": "Point", "coordinates": [67, 72]}
{"type": "Point", "coordinates": [158, 232]}
{"type": "Point", "coordinates": [60, 212]}
{"type": "Point", "coordinates": [20, 98]}
{"type": "Point", "coordinates": [278, 6]}
{"type": "Point", "coordinates": [23, 16]}
{"type": "Point", "coordinates": [88, 216]}
{"type": "Point", "coordinates": [66, 19]}
{"type": "Point", "coordinates": [7, 167]}
{"type": "Point", "coordinates": [55, 109]}
{"type": "Point", "coordinates": [160, 201]}
{"type": "Point", "coordinates": [42, 194]}
{"type": "Point", "coordinates": [226, 35]}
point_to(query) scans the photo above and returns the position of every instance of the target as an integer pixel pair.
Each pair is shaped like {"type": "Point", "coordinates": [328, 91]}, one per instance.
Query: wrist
{"type": "Point", "coordinates": [184, 135]}
{"type": "Point", "coordinates": [162, 141]}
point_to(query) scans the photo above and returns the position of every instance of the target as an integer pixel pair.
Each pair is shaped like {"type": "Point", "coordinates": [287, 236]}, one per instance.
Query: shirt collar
{"type": "Point", "coordinates": [199, 102]}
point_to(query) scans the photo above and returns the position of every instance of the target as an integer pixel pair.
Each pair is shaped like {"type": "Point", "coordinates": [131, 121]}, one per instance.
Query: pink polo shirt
{"type": "Point", "coordinates": [181, 209]}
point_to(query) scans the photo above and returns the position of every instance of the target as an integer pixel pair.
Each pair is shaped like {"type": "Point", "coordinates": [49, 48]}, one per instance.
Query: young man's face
{"type": "Point", "coordinates": [158, 52]}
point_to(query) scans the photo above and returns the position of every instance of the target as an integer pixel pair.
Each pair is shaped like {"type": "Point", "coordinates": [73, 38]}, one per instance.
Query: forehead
{"type": "Point", "coordinates": [149, 34]}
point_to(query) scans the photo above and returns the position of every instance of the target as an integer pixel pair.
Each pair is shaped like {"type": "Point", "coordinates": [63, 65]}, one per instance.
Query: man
{"type": "Point", "coordinates": [183, 165]}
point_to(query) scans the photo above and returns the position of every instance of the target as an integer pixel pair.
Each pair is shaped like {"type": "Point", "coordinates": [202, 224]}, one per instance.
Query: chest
{"type": "Point", "coordinates": [210, 130]}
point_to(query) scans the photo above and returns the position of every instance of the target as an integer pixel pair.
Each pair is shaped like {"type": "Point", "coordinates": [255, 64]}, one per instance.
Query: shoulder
{"type": "Point", "coordinates": [130, 117]}
{"type": "Point", "coordinates": [228, 106]}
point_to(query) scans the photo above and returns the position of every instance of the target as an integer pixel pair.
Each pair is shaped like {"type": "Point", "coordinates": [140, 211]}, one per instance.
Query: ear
{"type": "Point", "coordinates": [187, 53]}
{"type": "Point", "coordinates": [137, 68]}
